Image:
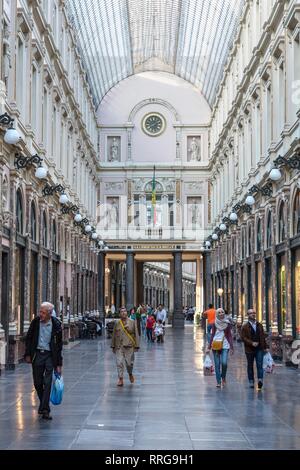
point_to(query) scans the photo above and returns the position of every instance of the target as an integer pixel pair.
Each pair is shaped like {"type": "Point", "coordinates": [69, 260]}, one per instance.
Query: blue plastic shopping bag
{"type": "Point", "coordinates": [57, 389]}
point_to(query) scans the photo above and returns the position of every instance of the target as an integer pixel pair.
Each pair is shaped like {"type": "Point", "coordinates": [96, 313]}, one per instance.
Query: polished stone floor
{"type": "Point", "coordinates": [172, 405]}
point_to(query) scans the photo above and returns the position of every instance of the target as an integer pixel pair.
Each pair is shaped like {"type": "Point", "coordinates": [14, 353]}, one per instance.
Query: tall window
{"type": "Point", "coordinates": [281, 225]}
{"type": "Point", "coordinates": [33, 224]}
{"type": "Point", "coordinates": [54, 236]}
{"type": "Point", "coordinates": [45, 230]}
{"type": "Point", "coordinates": [19, 213]}
{"type": "Point", "coordinates": [45, 118]}
{"type": "Point", "coordinates": [34, 80]}
{"type": "Point", "coordinates": [296, 215]}
{"type": "Point", "coordinates": [249, 241]}
{"type": "Point", "coordinates": [269, 231]}
{"type": "Point", "coordinates": [258, 236]}
{"type": "Point", "coordinates": [243, 244]}
{"type": "Point", "coordinates": [19, 74]}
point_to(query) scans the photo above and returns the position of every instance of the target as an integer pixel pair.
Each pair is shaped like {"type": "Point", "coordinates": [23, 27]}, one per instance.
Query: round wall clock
{"type": "Point", "coordinates": [153, 124]}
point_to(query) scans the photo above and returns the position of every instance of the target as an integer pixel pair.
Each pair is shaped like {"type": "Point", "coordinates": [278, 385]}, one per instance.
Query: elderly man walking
{"type": "Point", "coordinates": [125, 341]}
{"type": "Point", "coordinates": [253, 336]}
{"type": "Point", "coordinates": [44, 352]}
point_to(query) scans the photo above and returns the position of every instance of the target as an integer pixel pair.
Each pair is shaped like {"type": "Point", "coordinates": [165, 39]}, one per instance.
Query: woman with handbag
{"type": "Point", "coordinates": [220, 343]}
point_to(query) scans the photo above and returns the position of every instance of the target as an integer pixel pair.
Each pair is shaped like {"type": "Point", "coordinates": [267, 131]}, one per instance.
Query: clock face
{"type": "Point", "coordinates": [153, 124]}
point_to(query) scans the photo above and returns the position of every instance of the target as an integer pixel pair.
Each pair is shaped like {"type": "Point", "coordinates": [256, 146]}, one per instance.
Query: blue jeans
{"type": "Point", "coordinates": [258, 355]}
{"type": "Point", "coordinates": [220, 359]}
{"type": "Point", "coordinates": [208, 332]}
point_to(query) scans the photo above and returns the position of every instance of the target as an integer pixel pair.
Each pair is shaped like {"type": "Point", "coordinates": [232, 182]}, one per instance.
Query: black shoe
{"type": "Point", "coordinates": [260, 385]}
{"type": "Point", "coordinates": [46, 415]}
{"type": "Point", "coordinates": [251, 384]}
{"type": "Point", "coordinates": [40, 412]}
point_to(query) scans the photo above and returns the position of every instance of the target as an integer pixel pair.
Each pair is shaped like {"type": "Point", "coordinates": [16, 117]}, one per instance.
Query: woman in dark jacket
{"type": "Point", "coordinates": [221, 343]}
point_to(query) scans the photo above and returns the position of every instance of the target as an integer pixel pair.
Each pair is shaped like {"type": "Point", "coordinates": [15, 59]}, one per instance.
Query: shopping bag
{"type": "Point", "coordinates": [57, 389]}
{"type": "Point", "coordinates": [208, 365]}
{"type": "Point", "coordinates": [268, 363]}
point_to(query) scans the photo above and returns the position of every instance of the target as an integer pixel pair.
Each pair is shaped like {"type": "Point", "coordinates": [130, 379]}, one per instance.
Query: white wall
{"type": "Point", "coordinates": [181, 104]}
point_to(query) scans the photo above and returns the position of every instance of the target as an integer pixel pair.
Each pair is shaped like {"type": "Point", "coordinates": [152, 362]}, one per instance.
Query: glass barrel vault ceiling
{"type": "Point", "coordinates": [189, 38]}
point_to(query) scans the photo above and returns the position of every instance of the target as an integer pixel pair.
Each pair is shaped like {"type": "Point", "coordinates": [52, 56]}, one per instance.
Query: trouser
{"type": "Point", "coordinates": [124, 355]}
{"type": "Point", "coordinates": [208, 332]}
{"type": "Point", "coordinates": [42, 371]}
{"type": "Point", "coordinates": [149, 334]}
{"type": "Point", "coordinates": [221, 364]}
{"type": "Point", "coordinates": [258, 355]}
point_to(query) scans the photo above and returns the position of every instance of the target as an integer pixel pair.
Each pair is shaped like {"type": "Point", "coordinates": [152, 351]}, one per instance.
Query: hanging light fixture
{"type": "Point", "coordinates": [223, 227]}
{"type": "Point", "coordinates": [250, 201]}
{"type": "Point", "coordinates": [11, 136]}
{"type": "Point", "coordinates": [94, 236]}
{"type": "Point", "coordinates": [78, 218]}
{"type": "Point", "coordinates": [275, 174]}
{"type": "Point", "coordinates": [41, 172]}
{"type": "Point", "coordinates": [63, 199]}
{"type": "Point", "coordinates": [207, 244]}
{"type": "Point", "coordinates": [87, 228]}
{"type": "Point", "coordinates": [214, 236]}
{"type": "Point", "coordinates": [233, 217]}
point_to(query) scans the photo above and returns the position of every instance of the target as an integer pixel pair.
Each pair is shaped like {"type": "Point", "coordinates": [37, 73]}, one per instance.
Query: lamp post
{"type": "Point", "coordinates": [220, 292]}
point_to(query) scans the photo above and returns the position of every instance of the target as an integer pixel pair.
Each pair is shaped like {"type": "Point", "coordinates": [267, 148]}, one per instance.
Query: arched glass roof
{"type": "Point", "coordinates": [190, 38]}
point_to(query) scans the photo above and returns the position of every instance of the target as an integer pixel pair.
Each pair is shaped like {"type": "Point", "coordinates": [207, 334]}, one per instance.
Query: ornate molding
{"type": "Point", "coordinates": [148, 101]}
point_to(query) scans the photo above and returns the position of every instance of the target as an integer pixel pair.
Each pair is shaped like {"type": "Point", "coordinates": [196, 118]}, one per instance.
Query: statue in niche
{"type": "Point", "coordinates": [6, 56]}
{"type": "Point", "coordinates": [113, 214]}
{"type": "Point", "coordinates": [194, 213]}
{"type": "Point", "coordinates": [114, 151]}
{"type": "Point", "coordinates": [194, 150]}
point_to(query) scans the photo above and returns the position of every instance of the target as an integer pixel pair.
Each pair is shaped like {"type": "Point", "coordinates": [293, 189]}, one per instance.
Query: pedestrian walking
{"type": "Point", "coordinates": [124, 343]}
{"type": "Point", "coordinates": [210, 316]}
{"type": "Point", "coordinates": [44, 351]}
{"type": "Point", "coordinates": [253, 337]}
{"type": "Point", "coordinates": [150, 322]}
{"type": "Point", "coordinates": [220, 343]}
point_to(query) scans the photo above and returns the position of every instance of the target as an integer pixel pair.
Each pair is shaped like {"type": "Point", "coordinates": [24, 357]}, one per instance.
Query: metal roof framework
{"type": "Point", "coordinates": [189, 38]}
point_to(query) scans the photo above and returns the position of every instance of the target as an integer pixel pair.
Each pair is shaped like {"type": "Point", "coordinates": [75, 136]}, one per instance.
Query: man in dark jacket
{"type": "Point", "coordinates": [44, 352]}
{"type": "Point", "coordinates": [253, 336]}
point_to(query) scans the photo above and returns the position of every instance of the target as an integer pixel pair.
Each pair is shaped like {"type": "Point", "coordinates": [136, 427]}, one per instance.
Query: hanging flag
{"type": "Point", "coordinates": [153, 198]}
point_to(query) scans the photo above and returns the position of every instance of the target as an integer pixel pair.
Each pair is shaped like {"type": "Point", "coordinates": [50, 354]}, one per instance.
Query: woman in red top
{"type": "Point", "coordinates": [150, 322]}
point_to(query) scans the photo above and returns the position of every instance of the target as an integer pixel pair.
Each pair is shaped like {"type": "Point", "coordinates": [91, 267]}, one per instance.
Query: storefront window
{"type": "Point", "coordinates": [269, 302]}
{"type": "Point", "coordinates": [258, 292]}
{"type": "Point", "coordinates": [297, 292]}
{"type": "Point", "coordinates": [296, 215]}
{"type": "Point", "coordinates": [283, 320]}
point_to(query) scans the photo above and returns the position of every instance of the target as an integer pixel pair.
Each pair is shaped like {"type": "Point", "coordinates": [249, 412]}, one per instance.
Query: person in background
{"type": "Point", "coordinates": [43, 349]}
{"type": "Point", "coordinates": [159, 331]}
{"type": "Point", "coordinates": [210, 315]}
{"type": "Point", "coordinates": [161, 314]}
{"type": "Point", "coordinates": [221, 342]}
{"type": "Point", "coordinates": [150, 322]}
{"type": "Point", "coordinates": [253, 337]}
{"type": "Point", "coordinates": [124, 343]}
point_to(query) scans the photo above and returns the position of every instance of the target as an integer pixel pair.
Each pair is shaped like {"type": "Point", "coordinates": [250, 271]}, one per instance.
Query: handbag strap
{"type": "Point", "coordinates": [128, 334]}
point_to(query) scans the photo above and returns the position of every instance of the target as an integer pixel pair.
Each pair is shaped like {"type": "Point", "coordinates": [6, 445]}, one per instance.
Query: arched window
{"type": "Point", "coordinates": [281, 225]}
{"type": "Point", "coordinates": [249, 240]}
{"type": "Point", "coordinates": [269, 230]}
{"type": "Point", "coordinates": [19, 213]}
{"type": "Point", "coordinates": [45, 230]}
{"type": "Point", "coordinates": [296, 214]}
{"type": "Point", "coordinates": [258, 236]}
{"type": "Point", "coordinates": [33, 223]}
{"type": "Point", "coordinates": [54, 236]}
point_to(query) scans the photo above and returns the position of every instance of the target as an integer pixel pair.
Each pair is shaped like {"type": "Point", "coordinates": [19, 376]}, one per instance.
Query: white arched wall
{"type": "Point", "coordinates": [183, 106]}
